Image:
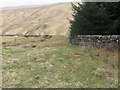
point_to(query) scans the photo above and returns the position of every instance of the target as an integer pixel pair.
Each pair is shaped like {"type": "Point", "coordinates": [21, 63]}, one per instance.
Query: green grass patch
{"type": "Point", "coordinates": [55, 63]}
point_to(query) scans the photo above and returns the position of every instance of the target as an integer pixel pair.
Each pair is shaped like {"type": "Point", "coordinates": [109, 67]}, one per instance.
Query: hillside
{"type": "Point", "coordinates": [52, 62]}
{"type": "Point", "coordinates": [37, 20]}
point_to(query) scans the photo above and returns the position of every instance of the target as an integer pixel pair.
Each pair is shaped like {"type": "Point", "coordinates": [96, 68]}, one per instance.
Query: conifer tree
{"type": "Point", "coordinates": [93, 18]}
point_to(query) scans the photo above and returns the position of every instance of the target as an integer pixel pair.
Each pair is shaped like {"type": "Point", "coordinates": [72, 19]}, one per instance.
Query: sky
{"type": "Point", "coordinates": [15, 3]}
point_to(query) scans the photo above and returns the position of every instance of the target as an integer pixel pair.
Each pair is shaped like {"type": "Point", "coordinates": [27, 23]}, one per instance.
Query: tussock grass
{"type": "Point", "coordinates": [56, 64]}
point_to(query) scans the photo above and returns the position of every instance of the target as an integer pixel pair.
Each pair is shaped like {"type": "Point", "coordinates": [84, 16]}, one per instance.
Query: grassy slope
{"type": "Point", "coordinates": [48, 19]}
{"type": "Point", "coordinates": [27, 62]}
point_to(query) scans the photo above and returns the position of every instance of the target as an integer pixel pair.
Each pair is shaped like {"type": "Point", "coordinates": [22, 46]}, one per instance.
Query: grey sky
{"type": "Point", "coordinates": [14, 3]}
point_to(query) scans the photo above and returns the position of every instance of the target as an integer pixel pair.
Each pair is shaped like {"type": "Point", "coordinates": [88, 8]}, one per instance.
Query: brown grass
{"type": "Point", "coordinates": [39, 20]}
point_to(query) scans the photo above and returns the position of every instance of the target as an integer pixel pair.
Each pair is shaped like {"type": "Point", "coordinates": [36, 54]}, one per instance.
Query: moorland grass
{"type": "Point", "coordinates": [56, 64]}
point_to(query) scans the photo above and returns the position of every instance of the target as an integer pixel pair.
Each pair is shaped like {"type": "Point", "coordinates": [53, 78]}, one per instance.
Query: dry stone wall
{"type": "Point", "coordinates": [96, 40]}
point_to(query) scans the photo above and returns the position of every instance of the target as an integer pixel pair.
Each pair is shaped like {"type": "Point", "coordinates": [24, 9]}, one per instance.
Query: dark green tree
{"type": "Point", "coordinates": [92, 18]}
{"type": "Point", "coordinates": [113, 10]}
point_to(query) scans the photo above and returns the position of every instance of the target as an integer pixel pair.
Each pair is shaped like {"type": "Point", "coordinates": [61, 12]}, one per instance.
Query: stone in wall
{"type": "Point", "coordinates": [96, 40]}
